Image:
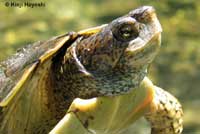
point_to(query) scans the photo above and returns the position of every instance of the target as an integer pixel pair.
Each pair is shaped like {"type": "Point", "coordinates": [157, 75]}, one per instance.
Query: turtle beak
{"type": "Point", "coordinates": [143, 52]}
{"type": "Point", "coordinates": [144, 48]}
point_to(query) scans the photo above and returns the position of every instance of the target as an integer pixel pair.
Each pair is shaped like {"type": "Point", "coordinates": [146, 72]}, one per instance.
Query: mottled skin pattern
{"type": "Point", "coordinates": [165, 110]}
{"type": "Point", "coordinates": [105, 63]}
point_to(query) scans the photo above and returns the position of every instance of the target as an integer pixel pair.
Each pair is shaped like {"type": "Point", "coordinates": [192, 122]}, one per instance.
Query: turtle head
{"type": "Point", "coordinates": [117, 56]}
{"type": "Point", "coordinates": [140, 32]}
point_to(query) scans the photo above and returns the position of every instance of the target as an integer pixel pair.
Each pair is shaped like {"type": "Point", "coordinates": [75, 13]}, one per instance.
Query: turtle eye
{"type": "Point", "coordinates": [128, 32]}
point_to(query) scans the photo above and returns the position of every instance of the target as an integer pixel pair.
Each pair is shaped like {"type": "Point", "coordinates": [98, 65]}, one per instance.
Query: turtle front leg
{"type": "Point", "coordinates": [165, 115]}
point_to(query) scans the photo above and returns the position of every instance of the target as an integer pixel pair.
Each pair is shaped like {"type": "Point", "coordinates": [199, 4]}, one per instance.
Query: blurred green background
{"type": "Point", "coordinates": [176, 68]}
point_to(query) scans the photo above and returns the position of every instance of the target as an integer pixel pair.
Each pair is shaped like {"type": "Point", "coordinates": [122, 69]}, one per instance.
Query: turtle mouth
{"type": "Point", "coordinates": [140, 52]}
{"type": "Point", "coordinates": [135, 45]}
{"type": "Point", "coordinates": [140, 44]}
{"type": "Point", "coordinates": [149, 27]}
{"type": "Point", "coordinates": [144, 48]}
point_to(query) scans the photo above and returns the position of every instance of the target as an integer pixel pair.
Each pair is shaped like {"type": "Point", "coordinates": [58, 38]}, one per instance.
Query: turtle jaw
{"type": "Point", "coordinates": [131, 68]}
{"type": "Point", "coordinates": [145, 47]}
{"type": "Point", "coordinates": [144, 52]}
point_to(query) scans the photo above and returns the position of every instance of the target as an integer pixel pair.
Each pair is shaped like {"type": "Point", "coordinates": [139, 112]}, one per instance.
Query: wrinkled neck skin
{"type": "Point", "coordinates": [75, 77]}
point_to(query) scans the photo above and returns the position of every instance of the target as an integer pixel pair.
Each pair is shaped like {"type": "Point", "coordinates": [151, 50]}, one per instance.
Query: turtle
{"type": "Point", "coordinates": [93, 81]}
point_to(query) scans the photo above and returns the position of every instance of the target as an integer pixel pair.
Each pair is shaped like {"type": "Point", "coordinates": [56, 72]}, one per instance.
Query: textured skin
{"type": "Point", "coordinates": [39, 83]}
{"type": "Point", "coordinates": [160, 108]}
{"type": "Point", "coordinates": [107, 115]}
{"type": "Point", "coordinates": [166, 115]}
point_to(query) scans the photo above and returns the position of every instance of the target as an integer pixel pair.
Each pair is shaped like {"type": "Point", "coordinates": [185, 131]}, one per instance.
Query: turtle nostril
{"type": "Point", "coordinates": [148, 9]}
{"type": "Point", "coordinates": [143, 14]}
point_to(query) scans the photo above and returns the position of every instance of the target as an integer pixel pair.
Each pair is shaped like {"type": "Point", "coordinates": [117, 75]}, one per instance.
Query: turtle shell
{"type": "Point", "coordinates": [15, 71]}
{"type": "Point", "coordinates": [39, 83]}
{"type": "Point", "coordinates": [20, 77]}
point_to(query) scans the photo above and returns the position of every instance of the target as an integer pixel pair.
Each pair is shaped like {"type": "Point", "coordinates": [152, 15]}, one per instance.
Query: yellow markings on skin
{"type": "Point", "coordinates": [49, 53]}
{"type": "Point", "coordinates": [91, 30]}
{"type": "Point", "coordinates": [144, 105]}
{"type": "Point", "coordinates": [84, 105]}
{"type": "Point", "coordinates": [17, 87]}
{"type": "Point", "coordinates": [42, 59]}
{"type": "Point", "coordinates": [147, 101]}
{"type": "Point", "coordinates": [27, 73]}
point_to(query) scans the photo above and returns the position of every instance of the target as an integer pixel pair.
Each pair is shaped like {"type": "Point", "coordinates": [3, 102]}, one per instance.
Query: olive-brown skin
{"type": "Point", "coordinates": [109, 62]}
{"type": "Point", "coordinates": [107, 67]}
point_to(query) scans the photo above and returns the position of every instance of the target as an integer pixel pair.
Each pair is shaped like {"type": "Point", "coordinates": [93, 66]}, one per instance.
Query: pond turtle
{"type": "Point", "coordinates": [88, 82]}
